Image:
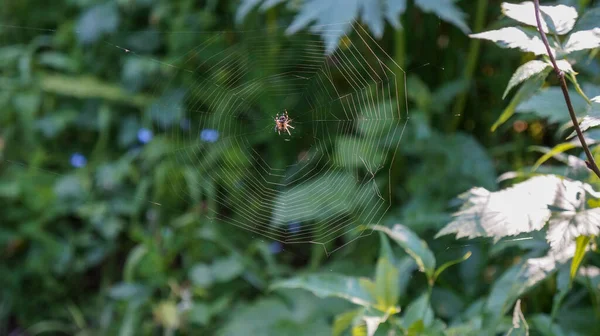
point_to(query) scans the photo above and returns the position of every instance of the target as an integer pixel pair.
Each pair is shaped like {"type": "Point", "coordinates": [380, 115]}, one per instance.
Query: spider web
{"type": "Point", "coordinates": [346, 113]}
{"type": "Point", "coordinates": [213, 114]}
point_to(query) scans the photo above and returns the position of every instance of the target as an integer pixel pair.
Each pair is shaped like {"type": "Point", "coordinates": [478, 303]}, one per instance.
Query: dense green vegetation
{"type": "Point", "coordinates": [431, 185]}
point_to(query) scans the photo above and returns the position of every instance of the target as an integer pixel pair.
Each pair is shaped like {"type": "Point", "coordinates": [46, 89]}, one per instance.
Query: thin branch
{"type": "Point", "coordinates": [591, 164]}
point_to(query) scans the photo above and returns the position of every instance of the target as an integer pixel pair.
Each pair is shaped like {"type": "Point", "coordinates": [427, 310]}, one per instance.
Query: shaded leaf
{"type": "Point", "coordinates": [589, 20]}
{"type": "Point", "coordinates": [333, 19]}
{"type": "Point", "coordinates": [331, 285]}
{"type": "Point", "coordinates": [96, 21]}
{"type": "Point", "coordinates": [445, 10]}
{"type": "Point", "coordinates": [392, 11]}
{"type": "Point", "coordinates": [413, 245]}
{"type": "Point", "coordinates": [371, 14]}
{"type": "Point", "coordinates": [418, 310]}
{"type": "Point", "coordinates": [560, 18]}
{"type": "Point", "coordinates": [550, 103]}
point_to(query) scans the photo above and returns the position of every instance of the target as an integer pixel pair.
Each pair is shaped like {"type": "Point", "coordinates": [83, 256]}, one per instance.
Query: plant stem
{"type": "Point", "coordinates": [591, 164]}
{"type": "Point", "coordinates": [472, 58]}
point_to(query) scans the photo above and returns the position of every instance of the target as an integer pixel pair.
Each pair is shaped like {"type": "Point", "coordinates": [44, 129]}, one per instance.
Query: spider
{"type": "Point", "coordinates": [282, 123]}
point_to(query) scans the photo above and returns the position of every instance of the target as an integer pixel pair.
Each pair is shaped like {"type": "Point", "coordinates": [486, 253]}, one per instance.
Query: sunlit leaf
{"type": "Point", "coordinates": [581, 40]}
{"type": "Point", "coordinates": [560, 148]}
{"type": "Point", "coordinates": [343, 321]}
{"type": "Point", "coordinates": [524, 72]}
{"type": "Point", "coordinates": [580, 249]}
{"type": "Point", "coordinates": [524, 207]}
{"type": "Point", "coordinates": [445, 10]}
{"type": "Point", "coordinates": [514, 37]}
{"type": "Point", "coordinates": [560, 18]}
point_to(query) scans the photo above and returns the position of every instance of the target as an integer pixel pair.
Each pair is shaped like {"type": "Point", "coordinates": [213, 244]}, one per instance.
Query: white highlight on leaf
{"type": "Point", "coordinates": [562, 17]}
{"type": "Point", "coordinates": [525, 72]}
{"type": "Point", "coordinates": [514, 37]}
{"type": "Point", "coordinates": [581, 40]}
{"type": "Point", "coordinates": [526, 207]}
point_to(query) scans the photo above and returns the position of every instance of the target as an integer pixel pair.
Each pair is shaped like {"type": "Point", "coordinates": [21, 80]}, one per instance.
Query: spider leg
{"type": "Point", "coordinates": [288, 131]}
{"type": "Point", "coordinates": [292, 127]}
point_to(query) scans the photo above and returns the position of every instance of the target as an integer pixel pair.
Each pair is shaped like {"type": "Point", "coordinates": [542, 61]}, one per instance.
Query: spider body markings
{"type": "Point", "coordinates": [282, 123]}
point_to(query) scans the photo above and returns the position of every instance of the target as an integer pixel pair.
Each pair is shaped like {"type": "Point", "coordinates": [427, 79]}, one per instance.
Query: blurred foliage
{"type": "Point", "coordinates": [97, 240]}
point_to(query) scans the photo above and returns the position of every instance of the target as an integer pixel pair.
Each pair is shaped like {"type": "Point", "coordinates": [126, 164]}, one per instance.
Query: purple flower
{"type": "Point", "coordinates": [294, 227]}
{"type": "Point", "coordinates": [144, 135]}
{"type": "Point", "coordinates": [209, 135]}
{"type": "Point", "coordinates": [78, 160]}
{"type": "Point", "coordinates": [275, 247]}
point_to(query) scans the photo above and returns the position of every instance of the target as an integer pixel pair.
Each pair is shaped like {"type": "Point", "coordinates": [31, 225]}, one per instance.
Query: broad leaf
{"type": "Point", "coordinates": [525, 207]}
{"type": "Point", "coordinates": [550, 103]}
{"type": "Point", "coordinates": [569, 224]}
{"type": "Point", "coordinates": [560, 18]}
{"type": "Point", "coordinates": [514, 37]}
{"type": "Point", "coordinates": [445, 10]}
{"type": "Point", "coordinates": [332, 285]}
{"type": "Point", "coordinates": [589, 20]}
{"type": "Point", "coordinates": [525, 91]}
{"type": "Point", "coordinates": [418, 310]}
{"type": "Point", "coordinates": [413, 245]}
{"type": "Point", "coordinates": [581, 40]}
{"type": "Point", "coordinates": [580, 249]}
{"type": "Point", "coordinates": [392, 11]}
{"type": "Point", "coordinates": [524, 72]}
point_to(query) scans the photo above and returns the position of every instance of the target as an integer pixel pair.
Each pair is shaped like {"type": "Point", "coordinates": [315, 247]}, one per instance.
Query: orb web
{"type": "Point", "coordinates": [329, 177]}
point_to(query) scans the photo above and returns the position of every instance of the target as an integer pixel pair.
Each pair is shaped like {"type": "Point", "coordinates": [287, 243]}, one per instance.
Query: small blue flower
{"type": "Point", "coordinates": [144, 135]}
{"type": "Point", "coordinates": [294, 227]}
{"type": "Point", "coordinates": [275, 247]}
{"type": "Point", "coordinates": [184, 124]}
{"type": "Point", "coordinates": [209, 135]}
{"type": "Point", "coordinates": [78, 160]}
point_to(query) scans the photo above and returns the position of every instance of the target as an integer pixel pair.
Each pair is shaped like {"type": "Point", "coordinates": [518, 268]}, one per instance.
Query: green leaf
{"type": "Point", "coordinates": [524, 92]}
{"type": "Point", "coordinates": [201, 275]}
{"type": "Point", "coordinates": [413, 245]}
{"type": "Point", "coordinates": [525, 72]}
{"type": "Point", "coordinates": [96, 21]}
{"type": "Point", "coordinates": [550, 103]}
{"type": "Point", "coordinates": [560, 148]}
{"type": "Point", "coordinates": [418, 311]}
{"type": "Point", "coordinates": [581, 243]}
{"type": "Point", "coordinates": [451, 263]}
{"type": "Point", "coordinates": [333, 19]}
{"type": "Point", "coordinates": [386, 284]}
{"type": "Point", "coordinates": [343, 321]}
{"type": "Point", "coordinates": [392, 11]}
{"type": "Point", "coordinates": [589, 20]}
{"type": "Point", "coordinates": [332, 285]}
{"type": "Point", "coordinates": [134, 257]}
{"type": "Point", "coordinates": [445, 10]}
{"type": "Point", "coordinates": [226, 269]}
{"type": "Point", "coordinates": [89, 87]}
{"type": "Point", "coordinates": [560, 18]}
